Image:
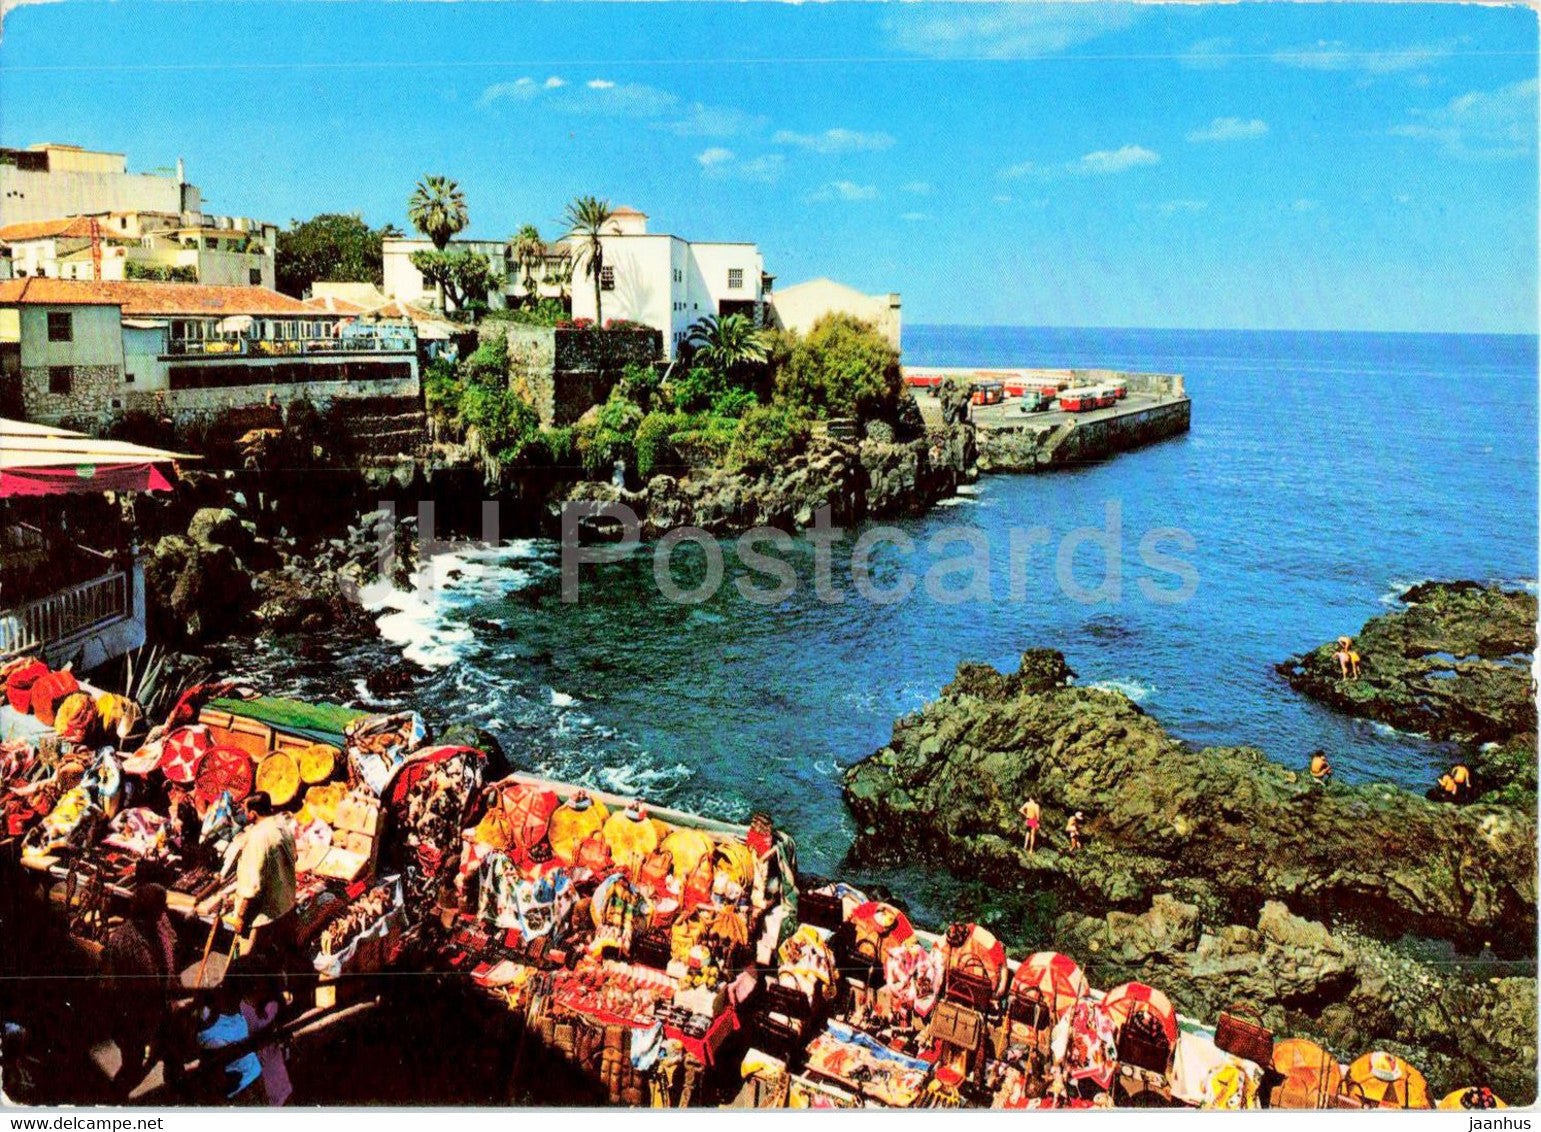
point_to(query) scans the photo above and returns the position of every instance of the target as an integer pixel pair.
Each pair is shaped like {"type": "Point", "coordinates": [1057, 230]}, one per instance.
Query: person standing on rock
{"type": "Point", "coordinates": [1031, 813]}
{"type": "Point", "coordinates": [1347, 658]}
{"type": "Point", "coordinates": [1073, 830]}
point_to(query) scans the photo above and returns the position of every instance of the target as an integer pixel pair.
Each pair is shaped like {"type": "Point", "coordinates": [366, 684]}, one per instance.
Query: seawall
{"type": "Point", "coordinates": [1039, 445]}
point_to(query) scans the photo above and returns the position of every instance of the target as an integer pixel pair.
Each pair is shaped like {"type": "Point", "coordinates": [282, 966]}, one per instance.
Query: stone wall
{"type": "Point", "coordinates": [564, 372]}
{"type": "Point", "coordinates": [93, 390]}
{"type": "Point", "coordinates": [1078, 440]}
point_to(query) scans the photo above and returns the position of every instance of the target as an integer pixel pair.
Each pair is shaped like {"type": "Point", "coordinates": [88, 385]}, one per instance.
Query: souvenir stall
{"type": "Point", "coordinates": [627, 940]}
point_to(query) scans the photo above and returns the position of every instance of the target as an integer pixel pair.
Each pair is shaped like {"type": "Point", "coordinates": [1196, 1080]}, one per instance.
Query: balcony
{"type": "Point", "coordinates": [385, 341]}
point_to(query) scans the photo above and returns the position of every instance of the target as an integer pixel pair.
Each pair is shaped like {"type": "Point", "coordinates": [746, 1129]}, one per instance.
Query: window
{"type": "Point", "coordinates": [60, 378]}
{"type": "Point", "coordinates": [254, 276]}
{"type": "Point", "coordinates": [61, 326]}
{"type": "Point", "coordinates": [735, 278]}
{"type": "Point", "coordinates": [607, 278]}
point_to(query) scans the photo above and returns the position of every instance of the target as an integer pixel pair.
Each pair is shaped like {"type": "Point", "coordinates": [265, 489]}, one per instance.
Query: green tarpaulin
{"type": "Point", "coordinates": [321, 723]}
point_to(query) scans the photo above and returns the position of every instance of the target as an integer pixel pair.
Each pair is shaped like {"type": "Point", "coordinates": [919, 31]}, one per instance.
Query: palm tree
{"type": "Point", "coordinates": [529, 252]}
{"type": "Point", "coordinates": [437, 209]}
{"type": "Point", "coordinates": [724, 344]}
{"type": "Point", "coordinates": [586, 218]}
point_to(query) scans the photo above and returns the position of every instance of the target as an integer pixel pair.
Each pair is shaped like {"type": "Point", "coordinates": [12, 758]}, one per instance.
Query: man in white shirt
{"type": "Point", "coordinates": [264, 878]}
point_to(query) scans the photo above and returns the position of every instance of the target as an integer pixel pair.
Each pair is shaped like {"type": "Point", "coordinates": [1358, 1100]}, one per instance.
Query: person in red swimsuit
{"type": "Point", "coordinates": [1031, 814]}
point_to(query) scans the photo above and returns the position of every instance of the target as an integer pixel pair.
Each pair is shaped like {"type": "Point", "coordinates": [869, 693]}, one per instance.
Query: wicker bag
{"type": "Point", "coordinates": [1240, 1031]}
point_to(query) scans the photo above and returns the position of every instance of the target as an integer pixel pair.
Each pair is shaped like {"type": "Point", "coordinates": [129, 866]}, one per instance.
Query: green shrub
{"type": "Point", "coordinates": [767, 436]}
{"type": "Point", "coordinates": [547, 312]}
{"type": "Point", "coordinates": [441, 390]}
{"type": "Point", "coordinates": [733, 403]}
{"type": "Point", "coordinates": [842, 368]}
{"type": "Point", "coordinates": [693, 391]}
{"type": "Point", "coordinates": [705, 443]}
{"type": "Point", "coordinates": [609, 435]}
{"type": "Point", "coordinates": [641, 384]}
{"type": "Point", "coordinates": [654, 451]}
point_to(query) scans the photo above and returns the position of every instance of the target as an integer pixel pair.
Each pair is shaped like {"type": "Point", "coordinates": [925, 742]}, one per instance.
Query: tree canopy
{"type": "Point", "coordinates": [842, 368]}
{"type": "Point", "coordinates": [330, 248]}
{"type": "Point", "coordinates": [437, 209]}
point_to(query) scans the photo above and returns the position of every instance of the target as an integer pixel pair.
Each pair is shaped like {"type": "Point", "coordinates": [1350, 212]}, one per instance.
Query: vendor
{"type": "Point", "coordinates": [264, 879]}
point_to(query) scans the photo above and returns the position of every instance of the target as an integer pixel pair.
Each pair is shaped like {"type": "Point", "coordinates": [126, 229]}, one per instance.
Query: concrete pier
{"type": "Point", "coordinates": [1011, 440]}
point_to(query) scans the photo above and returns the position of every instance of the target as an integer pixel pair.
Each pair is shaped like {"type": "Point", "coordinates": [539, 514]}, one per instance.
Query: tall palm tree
{"type": "Point", "coordinates": [529, 253]}
{"type": "Point", "coordinates": [437, 209]}
{"type": "Point", "coordinates": [724, 344]}
{"type": "Point", "coordinates": [586, 218]}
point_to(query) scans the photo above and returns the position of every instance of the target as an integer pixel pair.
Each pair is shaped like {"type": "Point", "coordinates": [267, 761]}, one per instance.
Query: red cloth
{"type": "Point", "coordinates": [49, 692]}
{"type": "Point", "coordinates": [77, 479]}
{"type": "Point", "coordinates": [183, 751]}
{"type": "Point", "coordinates": [18, 689]}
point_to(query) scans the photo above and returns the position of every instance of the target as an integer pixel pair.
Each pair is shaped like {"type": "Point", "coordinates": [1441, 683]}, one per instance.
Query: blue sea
{"type": "Point", "coordinates": [1324, 473]}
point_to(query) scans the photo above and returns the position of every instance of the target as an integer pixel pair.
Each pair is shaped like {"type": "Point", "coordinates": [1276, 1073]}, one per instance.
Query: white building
{"type": "Point", "coordinates": [669, 282]}
{"type": "Point", "coordinates": [659, 280]}
{"type": "Point", "coordinates": [47, 181]}
{"type": "Point", "coordinates": [801, 305]}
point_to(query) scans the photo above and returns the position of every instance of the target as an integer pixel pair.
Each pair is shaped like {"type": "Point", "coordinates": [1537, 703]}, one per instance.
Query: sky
{"type": "Point", "coordinates": [1266, 165]}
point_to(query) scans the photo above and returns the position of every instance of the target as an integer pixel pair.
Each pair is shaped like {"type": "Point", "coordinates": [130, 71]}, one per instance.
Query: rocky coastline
{"type": "Point", "coordinates": [855, 480]}
{"type": "Point", "coordinates": [1200, 865]}
{"type": "Point", "coordinates": [1454, 664]}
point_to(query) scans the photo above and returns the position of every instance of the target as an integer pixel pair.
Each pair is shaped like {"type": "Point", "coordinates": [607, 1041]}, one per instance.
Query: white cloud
{"type": "Point", "coordinates": [1335, 55]}
{"type": "Point", "coordinates": [1007, 31]}
{"type": "Point", "coordinates": [1230, 129]}
{"type": "Point", "coordinates": [837, 140]}
{"type": "Point", "coordinates": [553, 82]}
{"type": "Point", "coordinates": [918, 188]}
{"type": "Point", "coordinates": [723, 164]}
{"type": "Point", "coordinates": [1304, 204]}
{"type": "Point", "coordinates": [913, 217]}
{"type": "Point", "coordinates": [600, 84]}
{"type": "Point", "coordinates": [1105, 161]}
{"type": "Point", "coordinates": [1481, 125]}
{"type": "Point", "coordinates": [1172, 207]}
{"type": "Point", "coordinates": [702, 121]}
{"type": "Point", "coordinates": [520, 90]}
{"type": "Point", "coordinates": [1098, 163]}
{"type": "Point", "coordinates": [844, 190]}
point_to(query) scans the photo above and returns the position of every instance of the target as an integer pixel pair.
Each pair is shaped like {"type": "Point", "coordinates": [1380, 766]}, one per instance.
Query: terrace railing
{"type": "Point", "coordinates": [290, 347]}
{"type": "Point", "coordinates": [66, 614]}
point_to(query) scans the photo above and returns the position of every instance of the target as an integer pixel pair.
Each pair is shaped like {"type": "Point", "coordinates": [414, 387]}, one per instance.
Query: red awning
{"type": "Point", "coordinates": [81, 478]}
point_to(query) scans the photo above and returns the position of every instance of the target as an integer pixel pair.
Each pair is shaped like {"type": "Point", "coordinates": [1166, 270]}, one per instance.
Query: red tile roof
{"type": "Point", "coordinates": [145, 298]}
{"type": "Point", "coordinates": [76, 226]}
{"type": "Point", "coordinates": [331, 304]}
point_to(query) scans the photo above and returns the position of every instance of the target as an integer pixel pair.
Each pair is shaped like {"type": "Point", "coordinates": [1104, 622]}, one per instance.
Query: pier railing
{"type": "Point", "coordinates": [68, 613]}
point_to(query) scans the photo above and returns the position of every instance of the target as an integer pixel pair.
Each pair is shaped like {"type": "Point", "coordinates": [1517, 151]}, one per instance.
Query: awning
{"type": "Point", "coordinates": [39, 460]}
{"type": "Point", "coordinates": [235, 324]}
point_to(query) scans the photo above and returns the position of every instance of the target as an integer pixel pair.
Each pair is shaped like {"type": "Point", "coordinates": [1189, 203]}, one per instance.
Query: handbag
{"type": "Point", "coordinates": [1240, 1031]}
{"type": "Point", "coordinates": [958, 1025]}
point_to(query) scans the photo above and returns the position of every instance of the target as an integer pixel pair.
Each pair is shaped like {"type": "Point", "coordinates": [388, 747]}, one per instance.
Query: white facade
{"type": "Point", "coordinates": [45, 181]}
{"type": "Point", "coordinates": [668, 282]}
{"type": "Point", "coordinates": [221, 251]}
{"type": "Point", "coordinates": [405, 282]}
{"type": "Point", "coordinates": [800, 306]}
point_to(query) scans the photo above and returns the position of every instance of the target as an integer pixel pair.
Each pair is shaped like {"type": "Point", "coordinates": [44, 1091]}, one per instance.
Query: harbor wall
{"type": "Point", "coordinates": [1079, 440]}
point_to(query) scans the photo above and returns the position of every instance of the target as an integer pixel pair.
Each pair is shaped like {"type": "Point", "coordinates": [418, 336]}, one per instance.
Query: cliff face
{"type": "Point", "coordinates": [871, 479]}
{"type": "Point", "coordinates": [1222, 827]}
{"type": "Point", "coordinates": [1348, 992]}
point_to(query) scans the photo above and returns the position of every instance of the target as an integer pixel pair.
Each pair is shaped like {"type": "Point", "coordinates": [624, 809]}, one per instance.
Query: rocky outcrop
{"type": "Point", "coordinates": [1454, 664]}
{"type": "Point", "coordinates": [197, 584]}
{"type": "Point", "coordinates": [1348, 992]}
{"type": "Point", "coordinates": [1223, 828]}
{"type": "Point", "coordinates": [856, 480]}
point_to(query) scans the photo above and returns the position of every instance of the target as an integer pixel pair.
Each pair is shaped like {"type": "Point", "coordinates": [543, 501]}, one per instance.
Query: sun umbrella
{"type": "Point", "coordinates": [1057, 980]}
{"type": "Point", "coordinates": [1471, 1098]}
{"type": "Point", "coordinates": [1125, 1001]}
{"type": "Point", "coordinates": [1388, 1081]}
{"type": "Point", "coordinates": [1310, 1073]}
